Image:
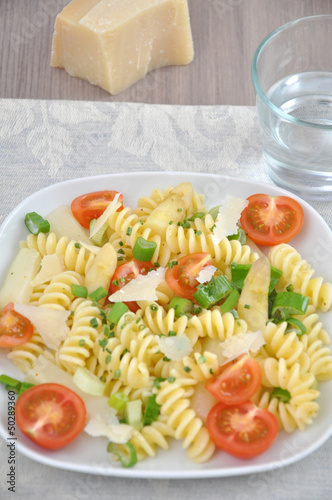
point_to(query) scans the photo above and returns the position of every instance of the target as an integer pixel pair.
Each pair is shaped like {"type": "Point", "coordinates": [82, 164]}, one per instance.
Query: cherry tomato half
{"type": "Point", "coordinates": [182, 276]}
{"type": "Point", "coordinates": [243, 430]}
{"type": "Point", "coordinates": [127, 272]}
{"type": "Point", "coordinates": [50, 414]}
{"type": "Point", "coordinates": [272, 220]}
{"type": "Point", "coordinates": [15, 329]}
{"type": "Point", "coordinates": [236, 382]}
{"type": "Point", "coordinates": [90, 206]}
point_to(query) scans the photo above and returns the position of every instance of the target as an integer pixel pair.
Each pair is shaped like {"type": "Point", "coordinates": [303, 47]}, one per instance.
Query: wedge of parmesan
{"type": "Point", "coordinates": [143, 287]}
{"type": "Point", "coordinates": [51, 266]}
{"type": "Point", "coordinates": [112, 207]}
{"type": "Point", "coordinates": [228, 217]}
{"type": "Point", "coordinates": [49, 323]}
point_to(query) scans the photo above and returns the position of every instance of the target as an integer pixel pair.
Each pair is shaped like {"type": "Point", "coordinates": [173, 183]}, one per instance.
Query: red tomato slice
{"type": "Point", "coordinates": [236, 382]}
{"type": "Point", "coordinates": [244, 430]}
{"type": "Point", "coordinates": [50, 414]}
{"type": "Point", "coordinates": [125, 273]}
{"type": "Point", "coordinates": [90, 206]}
{"type": "Point", "coordinates": [272, 220]}
{"type": "Point", "coordinates": [182, 276]}
{"type": "Point", "coordinates": [15, 329]}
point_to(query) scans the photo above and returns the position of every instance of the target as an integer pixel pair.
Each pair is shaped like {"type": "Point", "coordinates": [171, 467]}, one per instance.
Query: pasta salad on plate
{"type": "Point", "coordinates": [169, 328]}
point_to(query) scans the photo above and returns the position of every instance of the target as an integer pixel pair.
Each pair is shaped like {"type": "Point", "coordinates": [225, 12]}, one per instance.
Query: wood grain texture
{"type": "Point", "coordinates": [226, 34]}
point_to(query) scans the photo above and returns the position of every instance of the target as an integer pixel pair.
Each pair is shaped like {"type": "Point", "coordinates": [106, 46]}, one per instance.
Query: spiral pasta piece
{"type": "Point", "coordinates": [147, 441]}
{"type": "Point", "coordinates": [76, 258]}
{"type": "Point", "coordinates": [58, 294]}
{"type": "Point", "coordinates": [302, 407]}
{"type": "Point", "coordinates": [25, 355]}
{"type": "Point", "coordinates": [173, 398]}
{"type": "Point", "coordinates": [214, 324]}
{"type": "Point", "coordinates": [281, 344]}
{"type": "Point", "coordinates": [182, 241]}
{"type": "Point", "coordinates": [298, 272]}
{"type": "Point", "coordinates": [200, 367]}
{"type": "Point", "coordinates": [77, 347]}
{"type": "Point", "coordinates": [116, 360]}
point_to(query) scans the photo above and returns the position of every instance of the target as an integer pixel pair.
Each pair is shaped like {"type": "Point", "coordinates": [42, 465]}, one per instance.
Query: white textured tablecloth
{"type": "Point", "coordinates": [44, 142]}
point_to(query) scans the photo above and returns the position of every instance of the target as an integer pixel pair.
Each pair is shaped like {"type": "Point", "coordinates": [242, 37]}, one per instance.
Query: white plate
{"type": "Point", "coordinates": [88, 454]}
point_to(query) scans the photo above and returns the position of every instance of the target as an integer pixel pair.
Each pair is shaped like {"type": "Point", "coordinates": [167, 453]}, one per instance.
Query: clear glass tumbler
{"type": "Point", "coordinates": [292, 76]}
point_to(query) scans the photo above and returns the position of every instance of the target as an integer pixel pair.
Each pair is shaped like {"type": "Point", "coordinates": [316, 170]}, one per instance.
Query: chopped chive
{"type": "Point", "coordinates": [166, 359]}
{"type": "Point", "coordinates": [103, 343]}
{"type": "Point", "coordinates": [82, 343]}
{"type": "Point", "coordinates": [171, 380]}
{"type": "Point", "coordinates": [94, 322]}
{"type": "Point", "coordinates": [121, 251]}
{"type": "Point", "coordinates": [117, 374]}
{"type": "Point", "coordinates": [129, 231]}
{"type": "Point", "coordinates": [202, 359]}
{"type": "Point", "coordinates": [172, 333]}
{"type": "Point", "coordinates": [108, 358]}
{"type": "Point", "coordinates": [187, 369]}
{"type": "Point", "coordinates": [78, 245]}
{"type": "Point", "coordinates": [153, 307]}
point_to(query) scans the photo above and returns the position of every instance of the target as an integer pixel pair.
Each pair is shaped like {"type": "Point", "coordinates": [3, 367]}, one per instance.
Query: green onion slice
{"type": "Point", "coordinates": [152, 410]}
{"type": "Point", "coordinates": [118, 400]}
{"type": "Point", "coordinates": [180, 305]}
{"type": "Point", "coordinates": [281, 394]}
{"type": "Point", "coordinates": [239, 273]}
{"type": "Point", "coordinates": [100, 238]}
{"type": "Point", "coordinates": [230, 302]}
{"type": "Point", "coordinates": [126, 453]}
{"type": "Point", "coordinates": [239, 236]}
{"type": "Point", "coordinates": [143, 249]}
{"type": "Point", "coordinates": [214, 211]}
{"type": "Point", "coordinates": [117, 311]}
{"type": "Point", "coordinates": [36, 224]}
{"type": "Point", "coordinates": [98, 294]}
{"type": "Point", "coordinates": [296, 325]}
{"type": "Point", "coordinates": [79, 291]}
{"type": "Point", "coordinates": [212, 292]}
{"type": "Point", "coordinates": [287, 303]}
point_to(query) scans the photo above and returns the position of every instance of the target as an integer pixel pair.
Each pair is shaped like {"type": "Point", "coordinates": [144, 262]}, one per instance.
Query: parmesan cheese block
{"type": "Point", "coordinates": [115, 43]}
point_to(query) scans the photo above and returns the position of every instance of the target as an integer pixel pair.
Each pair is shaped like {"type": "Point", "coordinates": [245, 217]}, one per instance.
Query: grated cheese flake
{"type": "Point", "coordinates": [143, 287]}
{"type": "Point", "coordinates": [228, 216]}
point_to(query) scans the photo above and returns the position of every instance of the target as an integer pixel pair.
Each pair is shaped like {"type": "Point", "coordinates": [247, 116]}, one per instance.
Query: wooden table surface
{"type": "Point", "coordinates": [225, 32]}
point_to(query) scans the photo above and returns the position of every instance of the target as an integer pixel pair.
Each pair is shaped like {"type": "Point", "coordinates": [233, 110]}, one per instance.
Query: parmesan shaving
{"type": "Point", "coordinates": [175, 347]}
{"type": "Point", "coordinates": [114, 205]}
{"type": "Point", "coordinates": [228, 216]}
{"type": "Point", "coordinates": [92, 248]}
{"type": "Point", "coordinates": [51, 266]}
{"type": "Point", "coordinates": [143, 287]}
{"type": "Point", "coordinates": [115, 432]}
{"type": "Point", "coordinates": [242, 343]}
{"type": "Point", "coordinates": [206, 274]}
{"type": "Point", "coordinates": [49, 323]}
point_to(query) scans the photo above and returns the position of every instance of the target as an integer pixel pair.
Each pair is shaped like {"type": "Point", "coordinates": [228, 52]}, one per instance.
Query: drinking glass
{"type": "Point", "coordinates": [292, 76]}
